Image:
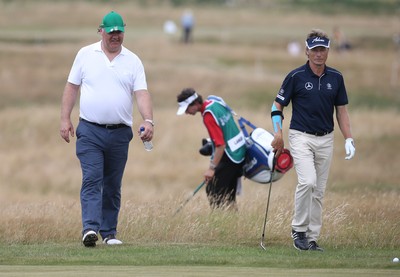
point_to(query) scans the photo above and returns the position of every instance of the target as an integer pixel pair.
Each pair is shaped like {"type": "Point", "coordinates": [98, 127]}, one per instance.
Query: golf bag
{"type": "Point", "coordinates": [259, 160]}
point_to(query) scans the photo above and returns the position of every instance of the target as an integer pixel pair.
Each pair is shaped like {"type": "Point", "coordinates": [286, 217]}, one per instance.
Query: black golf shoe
{"type": "Point", "coordinates": [299, 240]}
{"type": "Point", "coordinates": [313, 246]}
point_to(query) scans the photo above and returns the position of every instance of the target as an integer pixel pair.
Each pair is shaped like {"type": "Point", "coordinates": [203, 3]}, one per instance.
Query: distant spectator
{"type": "Point", "coordinates": [169, 27]}
{"type": "Point", "coordinates": [342, 44]}
{"type": "Point", "coordinates": [187, 22]}
{"type": "Point", "coordinates": [396, 61]}
{"type": "Point", "coordinates": [396, 40]}
{"type": "Point", "coordinates": [294, 48]}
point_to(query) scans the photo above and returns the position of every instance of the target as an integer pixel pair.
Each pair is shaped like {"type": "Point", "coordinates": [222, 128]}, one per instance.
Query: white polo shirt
{"type": "Point", "coordinates": [107, 87]}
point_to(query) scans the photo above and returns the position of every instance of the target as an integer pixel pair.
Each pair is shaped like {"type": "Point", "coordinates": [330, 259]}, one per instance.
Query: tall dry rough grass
{"type": "Point", "coordinates": [40, 177]}
{"type": "Point", "coordinates": [239, 55]}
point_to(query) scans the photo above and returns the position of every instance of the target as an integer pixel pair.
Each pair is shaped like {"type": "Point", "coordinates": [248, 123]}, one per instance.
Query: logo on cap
{"type": "Point", "coordinates": [317, 41]}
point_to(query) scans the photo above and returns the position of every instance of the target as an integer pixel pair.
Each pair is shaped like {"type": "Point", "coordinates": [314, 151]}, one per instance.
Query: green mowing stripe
{"type": "Point", "coordinates": [172, 271]}
{"type": "Point", "coordinates": [71, 256]}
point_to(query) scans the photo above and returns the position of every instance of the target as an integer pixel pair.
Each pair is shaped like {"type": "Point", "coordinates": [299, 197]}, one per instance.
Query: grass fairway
{"type": "Point", "coordinates": [192, 260]}
{"type": "Point", "coordinates": [173, 271]}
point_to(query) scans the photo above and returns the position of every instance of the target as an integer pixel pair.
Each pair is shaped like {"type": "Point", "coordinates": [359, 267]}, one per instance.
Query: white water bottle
{"type": "Point", "coordinates": [148, 145]}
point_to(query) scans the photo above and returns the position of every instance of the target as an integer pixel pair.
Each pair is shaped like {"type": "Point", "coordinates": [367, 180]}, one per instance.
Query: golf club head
{"type": "Point", "coordinates": [207, 148]}
{"type": "Point", "coordinates": [204, 141]}
{"type": "Point", "coordinates": [262, 245]}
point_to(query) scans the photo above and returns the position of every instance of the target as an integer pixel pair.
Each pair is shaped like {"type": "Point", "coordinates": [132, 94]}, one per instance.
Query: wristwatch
{"type": "Point", "coordinates": [150, 121]}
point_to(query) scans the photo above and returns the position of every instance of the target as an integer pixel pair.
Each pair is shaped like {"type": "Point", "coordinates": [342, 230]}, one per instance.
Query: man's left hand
{"type": "Point", "coordinates": [278, 144]}
{"type": "Point", "coordinates": [350, 149]}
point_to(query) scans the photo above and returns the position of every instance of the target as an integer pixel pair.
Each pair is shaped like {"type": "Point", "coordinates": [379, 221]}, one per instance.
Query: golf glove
{"type": "Point", "coordinates": [350, 149]}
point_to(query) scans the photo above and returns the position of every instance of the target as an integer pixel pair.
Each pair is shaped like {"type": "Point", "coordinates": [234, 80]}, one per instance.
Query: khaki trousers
{"type": "Point", "coordinates": [312, 157]}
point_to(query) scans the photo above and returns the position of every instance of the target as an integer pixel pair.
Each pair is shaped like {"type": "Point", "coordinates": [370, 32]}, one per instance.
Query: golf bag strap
{"type": "Point", "coordinates": [222, 102]}
{"type": "Point", "coordinates": [242, 122]}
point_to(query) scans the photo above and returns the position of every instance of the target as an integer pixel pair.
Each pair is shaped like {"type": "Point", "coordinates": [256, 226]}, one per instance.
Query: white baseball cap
{"type": "Point", "coordinates": [183, 105]}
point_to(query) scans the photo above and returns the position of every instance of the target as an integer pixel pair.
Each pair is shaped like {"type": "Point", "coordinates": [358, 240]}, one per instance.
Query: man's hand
{"type": "Point", "coordinates": [278, 144]}
{"type": "Point", "coordinates": [350, 149]}
{"type": "Point", "coordinates": [68, 100]}
{"type": "Point", "coordinates": [209, 174]}
{"type": "Point", "coordinates": [66, 129]}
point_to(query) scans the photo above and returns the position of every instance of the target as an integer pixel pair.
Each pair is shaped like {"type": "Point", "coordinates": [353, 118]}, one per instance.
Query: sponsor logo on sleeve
{"type": "Point", "coordinates": [280, 94]}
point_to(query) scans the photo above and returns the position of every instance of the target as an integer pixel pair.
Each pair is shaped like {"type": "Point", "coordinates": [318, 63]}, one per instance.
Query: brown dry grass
{"type": "Point", "coordinates": [240, 55]}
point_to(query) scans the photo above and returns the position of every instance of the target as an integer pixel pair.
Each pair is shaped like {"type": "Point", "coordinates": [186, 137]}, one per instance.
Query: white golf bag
{"type": "Point", "coordinates": [259, 157]}
{"type": "Point", "coordinates": [259, 160]}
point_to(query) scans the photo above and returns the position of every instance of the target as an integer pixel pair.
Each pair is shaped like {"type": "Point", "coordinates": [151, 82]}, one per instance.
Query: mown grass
{"type": "Point", "coordinates": [155, 254]}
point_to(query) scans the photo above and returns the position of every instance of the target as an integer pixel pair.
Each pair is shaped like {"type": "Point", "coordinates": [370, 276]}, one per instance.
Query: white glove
{"type": "Point", "coordinates": [350, 149]}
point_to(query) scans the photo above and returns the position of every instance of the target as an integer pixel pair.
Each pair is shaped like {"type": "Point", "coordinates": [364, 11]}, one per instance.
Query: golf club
{"type": "Point", "coordinates": [266, 211]}
{"type": "Point", "coordinates": [190, 197]}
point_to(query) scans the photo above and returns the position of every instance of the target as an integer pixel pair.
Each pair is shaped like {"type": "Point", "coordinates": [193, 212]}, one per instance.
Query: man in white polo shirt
{"type": "Point", "coordinates": [108, 76]}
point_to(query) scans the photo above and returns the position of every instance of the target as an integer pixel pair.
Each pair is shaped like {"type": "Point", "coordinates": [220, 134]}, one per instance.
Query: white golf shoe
{"type": "Point", "coordinates": [111, 240]}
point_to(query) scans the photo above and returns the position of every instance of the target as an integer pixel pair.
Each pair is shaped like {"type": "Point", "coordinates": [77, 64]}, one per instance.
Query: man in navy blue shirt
{"type": "Point", "coordinates": [315, 91]}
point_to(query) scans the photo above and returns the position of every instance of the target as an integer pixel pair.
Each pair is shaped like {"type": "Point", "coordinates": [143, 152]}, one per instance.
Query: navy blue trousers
{"type": "Point", "coordinates": [103, 154]}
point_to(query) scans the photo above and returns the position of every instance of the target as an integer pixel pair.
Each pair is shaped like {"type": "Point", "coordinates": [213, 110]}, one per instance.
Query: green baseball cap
{"type": "Point", "coordinates": [113, 22]}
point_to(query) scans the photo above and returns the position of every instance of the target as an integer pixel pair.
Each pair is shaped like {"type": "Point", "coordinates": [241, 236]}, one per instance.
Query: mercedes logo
{"type": "Point", "coordinates": [309, 86]}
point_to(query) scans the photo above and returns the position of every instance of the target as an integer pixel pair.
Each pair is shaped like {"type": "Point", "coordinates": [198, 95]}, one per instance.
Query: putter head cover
{"type": "Point", "coordinates": [207, 148]}
{"type": "Point", "coordinates": [284, 162]}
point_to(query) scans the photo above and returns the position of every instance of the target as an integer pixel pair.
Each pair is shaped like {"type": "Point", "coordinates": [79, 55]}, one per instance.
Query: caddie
{"type": "Point", "coordinates": [229, 149]}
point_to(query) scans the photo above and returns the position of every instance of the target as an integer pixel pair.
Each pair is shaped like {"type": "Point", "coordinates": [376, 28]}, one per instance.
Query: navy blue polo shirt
{"type": "Point", "coordinates": [313, 98]}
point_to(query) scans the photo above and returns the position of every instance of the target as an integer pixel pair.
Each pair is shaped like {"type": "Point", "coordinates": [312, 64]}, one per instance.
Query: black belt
{"type": "Point", "coordinates": [318, 134]}
{"type": "Point", "coordinates": [107, 126]}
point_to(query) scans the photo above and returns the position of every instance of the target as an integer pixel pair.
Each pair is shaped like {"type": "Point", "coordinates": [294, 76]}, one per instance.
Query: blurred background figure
{"type": "Point", "coordinates": [294, 48]}
{"type": "Point", "coordinates": [396, 40]}
{"type": "Point", "coordinates": [342, 44]}
{"type": "Point", "coordinates": [187, 22]}
{"type": "Point", "coordinates": [170, 27]}
{"type": "Point", "coordinates": [396, 61]}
